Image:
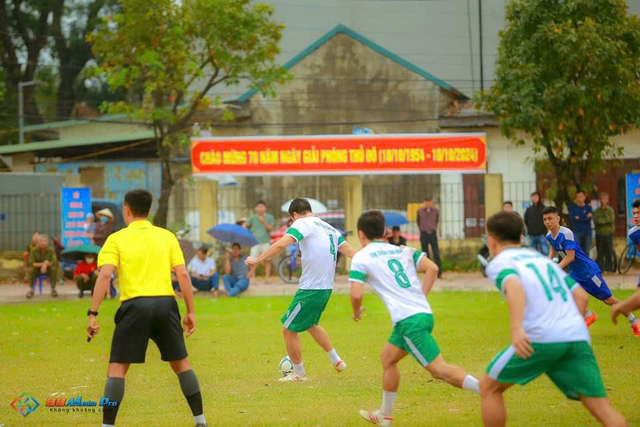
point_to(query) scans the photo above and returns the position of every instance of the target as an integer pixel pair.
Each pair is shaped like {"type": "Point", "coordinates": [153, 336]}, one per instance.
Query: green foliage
{"type": "Point", "coordinates": [567, 78]}
{"type": "Point", "coordinates": [168, 55]}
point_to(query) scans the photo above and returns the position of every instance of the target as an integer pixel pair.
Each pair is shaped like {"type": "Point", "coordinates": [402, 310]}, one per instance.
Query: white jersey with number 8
{"type": "Point", "coordinates": [391, 270]}
{"type": "Point", "coordinates": [550, 313]}
{"type": "Point", "coordinates": [319, 243]}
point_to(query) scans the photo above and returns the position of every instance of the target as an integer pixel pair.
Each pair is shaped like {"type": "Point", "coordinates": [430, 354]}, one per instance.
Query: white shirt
{"type": "Point", "coordinates": [319, 243]}
{"type": "Point", "coordinates": [392, 272]}
{"type": "Point", "coordinates": [550, 312]}
{"type": "Point", "coordinates": [197, 266]}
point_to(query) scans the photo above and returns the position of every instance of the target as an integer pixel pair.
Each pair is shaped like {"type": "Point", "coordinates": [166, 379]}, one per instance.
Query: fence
{"type": "Point", "coordinates": [23, 214]}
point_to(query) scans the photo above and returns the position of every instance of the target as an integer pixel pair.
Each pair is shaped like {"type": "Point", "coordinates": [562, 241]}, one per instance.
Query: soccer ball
{"type": "Point", "coordinates": [286, 366]}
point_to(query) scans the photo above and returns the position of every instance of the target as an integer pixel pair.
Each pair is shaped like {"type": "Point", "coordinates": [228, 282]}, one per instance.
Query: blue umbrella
{"type": "Point", "coordinates": [233, 233]}
{"type": "Point", "coordinates": [391, 219]}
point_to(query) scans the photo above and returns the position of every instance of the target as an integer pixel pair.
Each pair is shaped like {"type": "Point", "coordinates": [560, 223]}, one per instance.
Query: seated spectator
{"type": "Point", "coordinates": [396, 238]}
{"type": "Point", "coordinates": [43, 262]}
{"type": "Point", "coordinates": [85, 274]}
{"type": "Point", "coordinates": [235, 277]}
{"type": "Point", "coordinates": [90, 226]}
{"type": "Point", "coordinates": [175, 284]}
{"type": "Point", "coordinates": [202, 270]}
{"type": "Point", "coordinates": [104, 226]}
{"type": "Point", "coordinates": [25, 255]}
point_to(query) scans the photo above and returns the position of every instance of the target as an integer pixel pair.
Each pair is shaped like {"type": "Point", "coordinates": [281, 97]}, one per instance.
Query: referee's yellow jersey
{"type": "Point", "coordinates": [144, 255]}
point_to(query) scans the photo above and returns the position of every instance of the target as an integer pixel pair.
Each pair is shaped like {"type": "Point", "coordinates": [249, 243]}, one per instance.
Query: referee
{"type": "Point", "coordinates": [144, 256]}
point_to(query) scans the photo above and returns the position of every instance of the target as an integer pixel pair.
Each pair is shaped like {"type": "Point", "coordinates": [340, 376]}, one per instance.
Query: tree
{"type": "Point", "coordinates": [567, 78]}
{"type": "Point", "coordinates": [175, 52]}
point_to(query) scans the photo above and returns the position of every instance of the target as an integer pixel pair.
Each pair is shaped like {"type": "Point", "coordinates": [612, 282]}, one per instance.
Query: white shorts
{"type": "Point", "coordinates": [259, 249]}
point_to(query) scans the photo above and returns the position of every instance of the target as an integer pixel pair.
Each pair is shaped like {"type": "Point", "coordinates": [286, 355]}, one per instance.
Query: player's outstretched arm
{"type": "Point", "coordinates": [581, 298]}
{"type": "Point", "coordinates": [186, 288]}
{"type": "Point", "coordinates": [571, 255]}
{"type": "Point", "coordinates": [99, 291]}
{"type": "Point", "coordinates": [347, 249]}
{"type": "Point", "coordinates": [272, 251]}
{"type": "Point", "coordinates": [430, 269]}
{"type": "Point", "coordinates": [357, 292]}
{"type": "Point", "coordinates": [630, 304]}
{"type": "Point", "coordinates": [516, 301]}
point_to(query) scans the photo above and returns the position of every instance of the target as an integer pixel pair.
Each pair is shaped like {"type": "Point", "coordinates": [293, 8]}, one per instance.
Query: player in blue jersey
{"type": "Point", "coordinates": [582, 269]}
{"type": "Point", "coordinates": [632, 303]}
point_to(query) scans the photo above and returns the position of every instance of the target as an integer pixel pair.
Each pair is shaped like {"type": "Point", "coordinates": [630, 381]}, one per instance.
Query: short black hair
{"type": "Point", "coordinates": [371, 223]}
{"type": "Point", "coordinates": [505, 227]}
{"type": "Point", "coordinates": [550, 210]}
{"type": "Point", "coordinates": [139, 201]}
{"type": "Point", "coordinates": [395, 228]}
{"type": "Point", "coordinates": [580, 191]}
{"type": "Point", "coordinates": [508, 202]}
{"type": "Point", "coordinates": [203, 249]}
{"type": "Point", "coordinates": [261, 202]}
{"type": "Point", "coordinates": [428, 199]}
{"type": "Point", "coordinates": [236, 244]}
{"type": "Point", "coordinates": [299, 206]}
{"type": "Point", "coordinates": [636, 203]}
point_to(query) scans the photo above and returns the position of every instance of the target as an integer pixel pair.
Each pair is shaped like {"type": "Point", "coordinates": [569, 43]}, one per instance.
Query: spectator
{"type": "Point", "coordinates": [25, 255]}
{"type": "Point", "coordinates": [581, 215]}
{"type": "Point", "coordinates": [202, 270]}
{"type": "Point", "coordinates": [396, 238]}
{"type": "Point", "coordinates": [261, 225]}
{"type": "Point", "coordinates": [85, 274]}
{"type": "Point", "coordinates": [535, 226]}
{"type": "Point", "coordinates": [235, 271]}
{"type": "Point", "coordinates": [104, 226]}
{"type": "Point", "coordinates": [428, 218]}
{"type": "Point", "coordinates": [508, 207]}
{"type": "Point", "coordinates": [241, 222]}
{"type": "Point", "coordinates": [90, 226]}
{"type": "Point", "coordinates": [604, 218]}
{"type": "Point", "coordinates": [43, 262]}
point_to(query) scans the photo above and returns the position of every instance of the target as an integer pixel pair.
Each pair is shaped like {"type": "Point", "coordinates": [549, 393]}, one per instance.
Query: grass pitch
{"type": "Point", "coordinates": [235, 353]}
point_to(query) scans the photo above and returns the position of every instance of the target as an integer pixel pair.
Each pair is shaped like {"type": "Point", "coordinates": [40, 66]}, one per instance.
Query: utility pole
{"type": "Point", "coordinates": [481, 55]}
{"type": "Point", "coordinates": [21, 85]}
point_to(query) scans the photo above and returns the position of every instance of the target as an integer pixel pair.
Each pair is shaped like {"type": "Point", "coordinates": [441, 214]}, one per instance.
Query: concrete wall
{"type": "Point", "coordinates": [97, 128]}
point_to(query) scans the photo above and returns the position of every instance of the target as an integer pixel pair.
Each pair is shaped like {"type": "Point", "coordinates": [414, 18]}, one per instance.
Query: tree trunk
{"type": "Point", "coordinates": [161, 216]}
{"type": "Point", "coordinates": [32, 114]}
{"type": "Point", "coordinates": [66, 93]}
{"type": "Point", "coordinates": [562, 193]}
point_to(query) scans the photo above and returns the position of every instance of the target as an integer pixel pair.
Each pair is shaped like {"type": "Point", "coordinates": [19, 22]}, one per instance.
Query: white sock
{"type": "Point", "coordinates": [333, 355]}
{"type": "Point", "coordinates": [632, 319]}
{"type": "Point", "coordinates": [388, 399]}
{"type": "Point", "coordinates": [588, 313]}
{"type": "Point", "coordinates": [108, 425]}
{"type": "Point", "coordinates": [200, 419]}
{"type": "Point", "coordinates": [298, 368]}
{"type": "Point", "coordinates": [471, 383]}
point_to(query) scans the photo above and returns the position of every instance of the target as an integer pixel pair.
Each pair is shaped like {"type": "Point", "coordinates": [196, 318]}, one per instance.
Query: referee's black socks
{"type": "Point", "coordinates": [191, 390]}
{"type": "Point", "coordinates": [114, 391]}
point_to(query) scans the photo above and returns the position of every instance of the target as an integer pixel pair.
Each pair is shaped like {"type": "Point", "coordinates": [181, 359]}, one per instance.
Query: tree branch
{"type": "Point", "coordinates": [211, 83]}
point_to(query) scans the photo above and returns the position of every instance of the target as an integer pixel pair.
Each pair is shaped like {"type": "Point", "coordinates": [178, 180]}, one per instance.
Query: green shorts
{"type": "Point", "coordinates": [413, 335]}
{"type": "Point", "coordinates": [570, 365]}
{"type": "Point", "coordinates": [305, 309]}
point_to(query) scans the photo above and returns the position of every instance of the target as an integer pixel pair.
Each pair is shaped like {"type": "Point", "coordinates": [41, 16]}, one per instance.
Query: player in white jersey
{"type": "Point", "coordinates": [548, 333]}
{"type": "Point", "coordinates": [392, 272]}
{"type": "Point", "coordinates": [319, 244]}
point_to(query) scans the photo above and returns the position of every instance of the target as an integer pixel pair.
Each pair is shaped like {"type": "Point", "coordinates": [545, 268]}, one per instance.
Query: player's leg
{"type": "Point", "coordinates": [390, 357]}
{"type": "Point", "coordinates": [322, 338]}
{"type": "Point", "coordinates": [166, 332]}
{"type": "Point", "coordinates": [453, 374]}
{"type": "Point", "coordinates": [577, 375]}
{"type": "Point", "coordinates": [598, 288]}
{"type": "Point", "coordinates": [114, 391]}
{"type": "Point", "coordinates": [294, 350]}
{"type": "Point", "coordinates": [494, 412]}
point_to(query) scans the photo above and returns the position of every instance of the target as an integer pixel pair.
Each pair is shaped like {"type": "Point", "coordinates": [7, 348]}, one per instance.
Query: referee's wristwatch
{"type": "Point", "coordinates": [92, 313]}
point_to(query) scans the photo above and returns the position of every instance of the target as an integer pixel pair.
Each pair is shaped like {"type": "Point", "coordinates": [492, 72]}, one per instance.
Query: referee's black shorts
{"type": "Point", "coordinates": [139, 319]}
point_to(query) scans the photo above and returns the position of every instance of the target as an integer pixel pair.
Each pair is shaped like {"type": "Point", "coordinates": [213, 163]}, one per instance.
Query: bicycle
{"type": "Point", "coordinates": [628, 259]}
{"type": "Point", "coordinates": [290, 267]}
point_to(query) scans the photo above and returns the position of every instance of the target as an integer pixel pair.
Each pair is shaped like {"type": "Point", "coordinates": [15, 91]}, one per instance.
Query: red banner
{"type": "Point", "coordinates": [340, 154]}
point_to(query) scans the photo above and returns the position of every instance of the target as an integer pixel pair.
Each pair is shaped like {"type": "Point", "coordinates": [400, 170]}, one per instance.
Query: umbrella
{"type": "Point", "coordinates": [78, 252]}
{"type": "Point", "coordinates": [232, 233]}
{"type": "Point", "coordinates": [316, 206]}
{"type": "Point", "coordinates": [391, 219]}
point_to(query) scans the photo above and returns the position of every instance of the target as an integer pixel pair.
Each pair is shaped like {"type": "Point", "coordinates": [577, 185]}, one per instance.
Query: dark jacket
{"type": "Point", "coordinates": [533, 220]}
